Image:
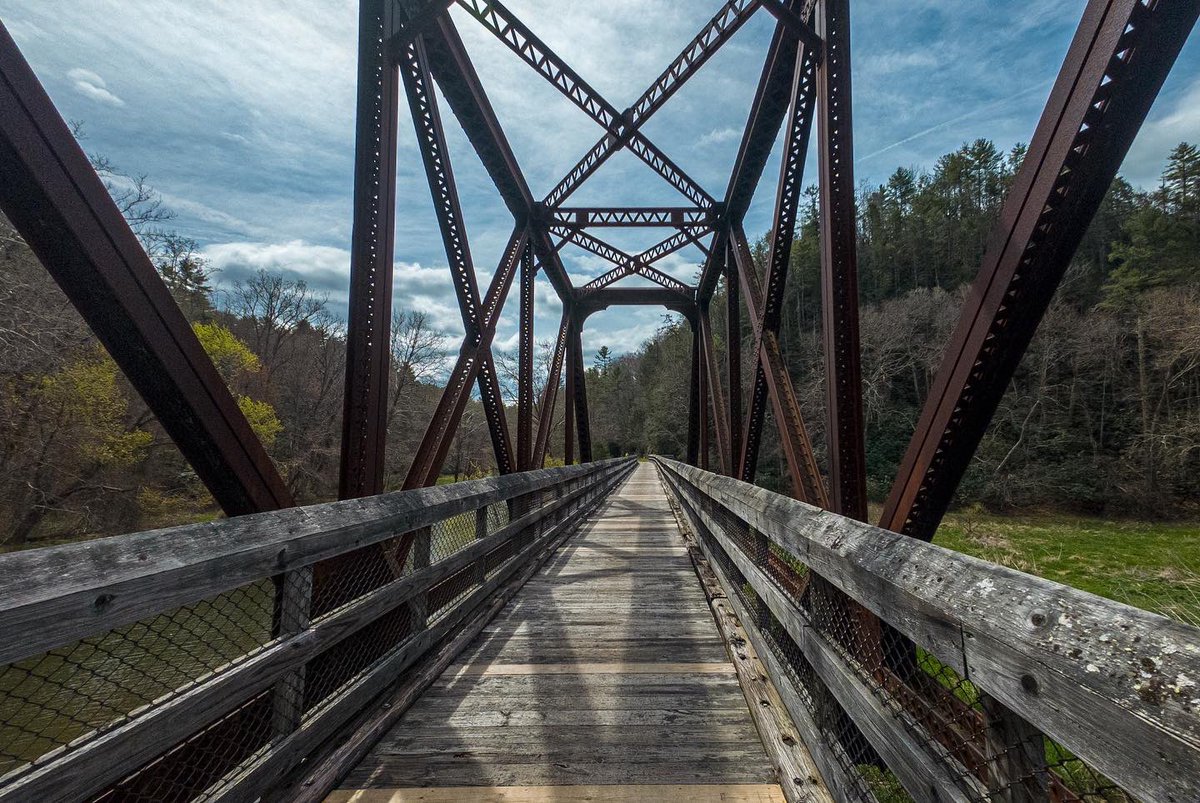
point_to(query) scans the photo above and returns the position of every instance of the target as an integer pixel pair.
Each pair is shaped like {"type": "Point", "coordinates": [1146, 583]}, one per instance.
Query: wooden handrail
{"type": "Point", "coordinates": [58, 594]}
{"type": "Point", "coordinates": [1114, 684]}
{"type": "Point", "coordinates": [121, 569]}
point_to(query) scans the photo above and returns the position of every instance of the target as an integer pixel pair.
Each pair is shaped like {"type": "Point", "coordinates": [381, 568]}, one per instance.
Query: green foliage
{"type": "Point", "coordinates": [233, 358]}
{"type": "Point", "coordinates": [85, 398]}
{"type": "Point", "coordinates": [262, 418]}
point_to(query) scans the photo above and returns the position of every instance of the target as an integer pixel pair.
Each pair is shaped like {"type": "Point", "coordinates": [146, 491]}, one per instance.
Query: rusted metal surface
{"type": "Point", "coordinates": [61, 208]}
{"type": "Point", "coordinates": [372, 245]}
{"type": "Point", "coordinates": [1114, 68]}
{"type": "Point", "coordinates": [525, 364]}
{"type": "Point", "coordinates": [839, 265]}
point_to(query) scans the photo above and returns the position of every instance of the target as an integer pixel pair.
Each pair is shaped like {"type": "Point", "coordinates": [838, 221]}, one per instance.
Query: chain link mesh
{"type": "Point", "coordinates": [57, 702]}
{"type": "Point", "coordinates": [986, 750]}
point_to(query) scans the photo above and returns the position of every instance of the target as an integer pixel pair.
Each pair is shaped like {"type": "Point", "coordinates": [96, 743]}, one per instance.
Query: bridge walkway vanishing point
{"type": "Point", "coordinates": [605, 678]}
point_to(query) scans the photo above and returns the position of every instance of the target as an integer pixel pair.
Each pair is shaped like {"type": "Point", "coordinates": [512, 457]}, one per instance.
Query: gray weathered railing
{"type": "Point", "coordinates": [974, 682]}
{"type": "Point", "coordinates": [207, 661]}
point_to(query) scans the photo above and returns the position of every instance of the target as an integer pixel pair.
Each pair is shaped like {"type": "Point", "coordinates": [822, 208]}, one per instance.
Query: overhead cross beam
{"type": "Point", "coordinates": [711, 37]}
{"type": "Point", "coordinates": [626, 264]}
{"type": "Point", "coordinates": [495, 17]}
{"type": "Point", "coordinates": [675, 217]}
{"type": "Point", "coordinates": [1114, 68]}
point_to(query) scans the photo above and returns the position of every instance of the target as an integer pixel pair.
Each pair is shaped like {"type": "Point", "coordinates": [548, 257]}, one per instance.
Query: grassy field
{"type": "Point", "coordinates": [1153, 565]}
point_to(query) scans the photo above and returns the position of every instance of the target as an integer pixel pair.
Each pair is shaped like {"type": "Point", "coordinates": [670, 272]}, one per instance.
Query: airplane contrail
{"type": "Point", "coordinates": [959, 119]}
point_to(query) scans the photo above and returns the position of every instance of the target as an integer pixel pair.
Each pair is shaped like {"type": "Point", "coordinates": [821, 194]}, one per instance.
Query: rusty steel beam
{"type": "Point", "coordinates": [682, 302]}
{"type": "Point", "coordinates": [771, 381]}
{"type": "Point", "coordinates": [844, 431]}
{"type": "Point", "coordinates": [772, 99]}
{"type": "Point", "coordinates": [701, 377]}
{"type": "Point", "coordinates": [694, 400]}
{"type": "Point", "coordinates": [673, 217]}
{"type": "Point", "coordinates": [502, 23]}
{"type": "Point", "coordinates": [364, 415]}
{"type": "Point", "coordinates": [1113, 70]}
{"type": "Point", "coordinates": [772, 385]}
{"type": "Point", "coordinates": [455, 74]}
{"type": "Point", "coordinates": [61, 208]}
{"type": "Point", "coordinates": [728, 19]}
{"type": "Point", "coordinates": [457, 78]}
{"type": "Point", "coordinates": [525, 364]}
{"type": "Point", "coordinates": [550, 394]}
{"type": "Point", "coordinates": [626, 264]}
{"type": "Point", "coordinates": [431, 141]}
{"type": "Point", "coordinates": [569, 392]}
{"type": "Point", "coordinates": [733, 357]}
{"type": "Point", "coordinates": [583, 424]}
{"type": "Point", "coordinates": [712, 380]}
{"type": "Point", "coordinates": [794, 22]}
{"type": "Point", "coordinates": [431, 453]}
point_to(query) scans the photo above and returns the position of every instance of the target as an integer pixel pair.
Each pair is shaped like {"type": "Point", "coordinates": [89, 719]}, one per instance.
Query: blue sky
{"type": "Point", "coordinates": [242, 115]}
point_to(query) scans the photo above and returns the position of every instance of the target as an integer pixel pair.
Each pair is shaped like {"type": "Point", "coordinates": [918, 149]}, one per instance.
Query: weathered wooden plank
{"type": "Point", "coordinates": [323, 774]}
{"type": "Point", "coordinates": [640, 717]}
{"type": "Point", "coordinates": [825, 753]}
{"type": "Point", "coordinates": [920, 765]}
{"type": "Point", "coordinates": [58, 594]}
{"type": "Point", "coordinates": [665, 793]}
{"type": "Point", "coordinates": [590, 674]}
{"type": "Point", "coordinates": [284, 754]}
{"type": "Point", "coordinates": [119, 751]}
{"type": "Point", "coordinates": [1112, 683]}
{"type": "Point", "coordinates": [582, 668]}
{"type": "Point", "coordinates": [405, 741]}
{"type": "Point", "coordinates": [799, 777]}
{"type": "Point", "coordinates": [390, 771]}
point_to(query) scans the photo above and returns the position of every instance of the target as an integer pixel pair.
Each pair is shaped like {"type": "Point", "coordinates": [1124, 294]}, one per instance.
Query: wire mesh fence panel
{"type": "Point", "coordinates": [51, 701]}
{"type": "Point", "coordinates": [300, 642]}
{"type": "Point", "coordinates": [949, 724]}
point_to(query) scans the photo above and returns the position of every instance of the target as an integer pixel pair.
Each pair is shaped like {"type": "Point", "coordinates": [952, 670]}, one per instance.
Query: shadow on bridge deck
{"type": "Point", "coordinates": [604, 679]}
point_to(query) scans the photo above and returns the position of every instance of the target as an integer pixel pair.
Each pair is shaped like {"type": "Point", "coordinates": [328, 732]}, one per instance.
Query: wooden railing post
{"type": "Point", "coordinates": [294, 611]}
{"type": "Point", "coordinates": [421, 554]}
{"type": "Point", "coordinates": [1016, 751]}
{"type": "Point", "coordinates": [481, 531]}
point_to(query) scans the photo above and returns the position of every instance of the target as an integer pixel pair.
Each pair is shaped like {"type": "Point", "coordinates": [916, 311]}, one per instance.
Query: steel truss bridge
{"type": "Point", "coordinates": [606, 630]}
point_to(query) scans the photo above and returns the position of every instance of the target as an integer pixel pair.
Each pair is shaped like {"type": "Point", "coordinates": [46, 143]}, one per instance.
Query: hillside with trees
{"type": "Point", "coordinates": [1104, 415]}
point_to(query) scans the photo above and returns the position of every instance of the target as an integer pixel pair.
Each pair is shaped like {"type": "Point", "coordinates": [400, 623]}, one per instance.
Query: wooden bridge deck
{"type": "Point", "coordinates": [604, 679]}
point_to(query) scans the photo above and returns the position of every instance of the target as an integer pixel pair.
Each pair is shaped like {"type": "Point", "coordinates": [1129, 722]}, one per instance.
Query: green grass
{"type": "Point", "coordinates": [1151, 565]}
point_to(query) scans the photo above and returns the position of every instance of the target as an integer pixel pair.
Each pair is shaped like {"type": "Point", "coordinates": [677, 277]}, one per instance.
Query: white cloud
{"type": "Point", "coordinates": [91, 85]}
{"type": "Point", "coordinates": [719, 135]}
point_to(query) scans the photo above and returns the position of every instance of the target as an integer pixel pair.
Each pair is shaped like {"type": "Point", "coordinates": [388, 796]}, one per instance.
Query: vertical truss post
{"type": "Point", "coordinates": [694, 401]}
{"type": "Point", "coordinates": [733, 358]}
{"type": "Point", "coordinates": [1114, 68]}
{"type": "Point", "coordinates": [702, 408]}
{"type": "Point", "coordinates": [569, 392]}
{"type": "Point", "coordinates": [582, 421]}
{"type": "Point", "coordinates": [839, 265]}
{"type": "Point", "coordinates": [525, 364]}
{"type": "Point", "coordinates": [364, 415]}
{"type": "Point", "coordinates": [711, 377]}
{"type": "Point", "coordinates": [550, 394]}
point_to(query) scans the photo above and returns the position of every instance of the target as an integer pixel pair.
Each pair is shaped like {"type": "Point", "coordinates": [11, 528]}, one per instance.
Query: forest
{"type": "Point", "coordinates": [1103, 416]}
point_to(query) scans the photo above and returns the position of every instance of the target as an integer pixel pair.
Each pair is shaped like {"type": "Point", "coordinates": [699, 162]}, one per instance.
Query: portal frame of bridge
{"type": "Point", "coordinates": [1114, 68]}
